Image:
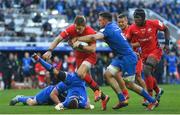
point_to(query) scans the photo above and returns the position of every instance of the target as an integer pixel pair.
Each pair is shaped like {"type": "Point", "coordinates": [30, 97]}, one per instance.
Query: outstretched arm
{"type": "Point", "coordinates": [91, 38]}
{"type": "Point", "coordinates": [57, 40]}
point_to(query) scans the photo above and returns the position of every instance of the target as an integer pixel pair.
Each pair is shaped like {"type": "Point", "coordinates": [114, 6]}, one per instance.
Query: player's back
{"type": "Point", "coordinates": [72, 80]}
{"type": "Point", "coordinates": [116, 40]}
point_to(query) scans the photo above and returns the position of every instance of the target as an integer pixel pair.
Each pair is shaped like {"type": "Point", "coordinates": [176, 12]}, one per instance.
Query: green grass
{"type": "Point", "coordinates": [170, 103]}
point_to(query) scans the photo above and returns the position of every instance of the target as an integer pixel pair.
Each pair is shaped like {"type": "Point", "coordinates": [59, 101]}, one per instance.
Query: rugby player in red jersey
{"type": "Point", "coordinates": [123, 24]}
{"type": "Point", "coordinates": [85, 55]}
{"type": "Point", "coordinates": [146, 33]}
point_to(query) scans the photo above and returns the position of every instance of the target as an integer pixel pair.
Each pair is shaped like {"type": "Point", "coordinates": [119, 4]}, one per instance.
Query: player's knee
{"type": "Point", "coordinates": [107, 75]}
{"type": "Point", "coordinates": [81, 74]}
{"type": "Point", "coordinates": [112, 70]}
{"type": "Point", "coordinates": [147, 70]}
{"type": "Point", "coordinates": [31, 102]}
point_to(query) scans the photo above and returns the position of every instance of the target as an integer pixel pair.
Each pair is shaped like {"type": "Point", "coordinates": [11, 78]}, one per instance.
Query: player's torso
{"type": "Point", "coordinates": [74, 33]}
{"type": "Point", "coordinates": [116, 40]}
{"type": "Point", "coordinates": [146, 36]}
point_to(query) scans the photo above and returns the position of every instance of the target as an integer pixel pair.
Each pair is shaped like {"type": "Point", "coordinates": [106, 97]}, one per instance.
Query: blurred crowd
{"type": "Point", "coordinates": [18, 71]}
{"type": "Point", "coordinates": [34, 10]}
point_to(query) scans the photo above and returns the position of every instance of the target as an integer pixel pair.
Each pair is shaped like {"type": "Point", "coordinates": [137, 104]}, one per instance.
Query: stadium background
{"type": "Point", "coordinates": [30, 25]}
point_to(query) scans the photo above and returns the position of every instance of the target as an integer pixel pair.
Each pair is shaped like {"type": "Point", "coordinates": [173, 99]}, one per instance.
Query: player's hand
{"type": "Point", "coordinates": [73, 40]}
{"type": "Point", "coordinates": [47, 55]}
{"type": "Point", "coordinates": [59, 107]}
{"type": "Point", "coordinates": [166, 49]}
{"type": "Point", "coordinates": [76, 44]}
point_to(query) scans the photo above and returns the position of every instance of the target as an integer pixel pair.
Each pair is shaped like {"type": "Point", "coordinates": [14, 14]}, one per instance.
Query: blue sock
{"type": "Point", "coordinates": [121, 97]}
{"type": "Point", "coordinates": [45, 64]}
{"type": "Point", "coordinates": [147, 96]}
{"type": "Point", "coordinates": [24, 99]}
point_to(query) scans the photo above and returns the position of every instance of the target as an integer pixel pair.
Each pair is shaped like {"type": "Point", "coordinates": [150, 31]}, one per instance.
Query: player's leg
{"type": "Point", "coordinates": [138, 77]}
{"type": "Point", "coordinates": [139, 80]}
{"type": "Point", "coordinates": [109, 75]}
{"type": "Point", "coordinates": [139, 90]}
{"type": "Point", "coordinates": [21, 99]}
{"type": "Point", "coordinates": [151, 83]}
{"type": "Point", "coordinates": [83, 72]}
{"type": "Point", "coordinates": [122, 85]}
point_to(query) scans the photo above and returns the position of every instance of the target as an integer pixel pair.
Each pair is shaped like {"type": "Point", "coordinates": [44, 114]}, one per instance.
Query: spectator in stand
{"type": "Point", "coordinates": [37, 18]}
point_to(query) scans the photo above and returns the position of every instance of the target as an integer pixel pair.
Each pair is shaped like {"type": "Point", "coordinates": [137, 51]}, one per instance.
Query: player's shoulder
{"type": "Point", "coordinates": [152, 21]}
{"type": "Point", "coordinates": [132, 27]}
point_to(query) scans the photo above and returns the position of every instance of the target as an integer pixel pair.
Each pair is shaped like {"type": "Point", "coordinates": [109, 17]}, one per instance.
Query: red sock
{"type": "Point", "coordinates": [125, 92]}
{"type": "Point", "coordinates": [93, 85]}
{"type": "Point", "coordinates": [155, 86]}
{"type": "Point", "coordinates": [149, 84]}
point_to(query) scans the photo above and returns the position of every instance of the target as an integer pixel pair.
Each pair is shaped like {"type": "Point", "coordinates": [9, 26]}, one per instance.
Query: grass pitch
{"type": "Point", "coordinates": [170, 103]}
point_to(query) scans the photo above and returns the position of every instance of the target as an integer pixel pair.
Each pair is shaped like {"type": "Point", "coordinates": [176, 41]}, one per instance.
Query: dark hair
{"type": "Point", "coordinates": [139, 13]}
{"type": "Point", "coordinates": [80, 20]}
{"type": "Point", "coordinates": [61, 76]}
{"type": "Point", "coordinates": [106, 15]}
{"type": "Point", "coordinates": [73, 104]}
{"type": "Point", "coordinates": [122, 15]}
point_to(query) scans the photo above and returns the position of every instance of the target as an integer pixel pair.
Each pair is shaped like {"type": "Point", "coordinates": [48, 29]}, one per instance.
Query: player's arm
{"type": "Point", "coordinates": [162, 27]}
{"type": "Point", "coordinates": [88, 48]}
{"type": "Point", "coordinates": [167, 35]}
{"type": "Point", "coordinates": [136, 44]}
{"type": "Point", "coordinates": [55, 42]}
{"type": "Point", "coordinates": [91, 38]}
{"type": "Point", "coordinates": [54, 96]}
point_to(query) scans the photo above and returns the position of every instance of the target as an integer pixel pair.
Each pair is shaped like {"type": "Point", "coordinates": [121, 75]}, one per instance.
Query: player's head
{"type": "Point", "coordinates": [104, 18]}
{"type": "Point", "coordinates": [80, 23]}
{"type": "Point", "coordinates": [122, 21]}
{"type": "Point", "coordinates": [73, 103]}
{"type": "Point", "coordinates": [61, 75]}
{"type": "Point", "coordinates": [139, 17]}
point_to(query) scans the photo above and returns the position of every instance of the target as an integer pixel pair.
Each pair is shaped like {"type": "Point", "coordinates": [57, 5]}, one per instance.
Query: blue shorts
{"type": "Point", "coordinates": [43, 97]}
{"type": "Point", "coordinates": [127, 64]}
{"type": "Point", "coordinates": [79, 93]}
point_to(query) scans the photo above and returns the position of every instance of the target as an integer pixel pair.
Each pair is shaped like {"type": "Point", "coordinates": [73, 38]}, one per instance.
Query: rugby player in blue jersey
{"type": "Point", "coordinates": [125, 60]}
{"type": "Point", "coordinates": [75, 87]}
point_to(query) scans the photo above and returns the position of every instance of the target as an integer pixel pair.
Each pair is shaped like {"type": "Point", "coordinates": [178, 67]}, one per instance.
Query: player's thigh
{"type": "Point", "coordinates": [42, 96]}
{"type": "Point", "coordinates": [139, 66]}
{"type": "Point", "coordinates": [84, 68]}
